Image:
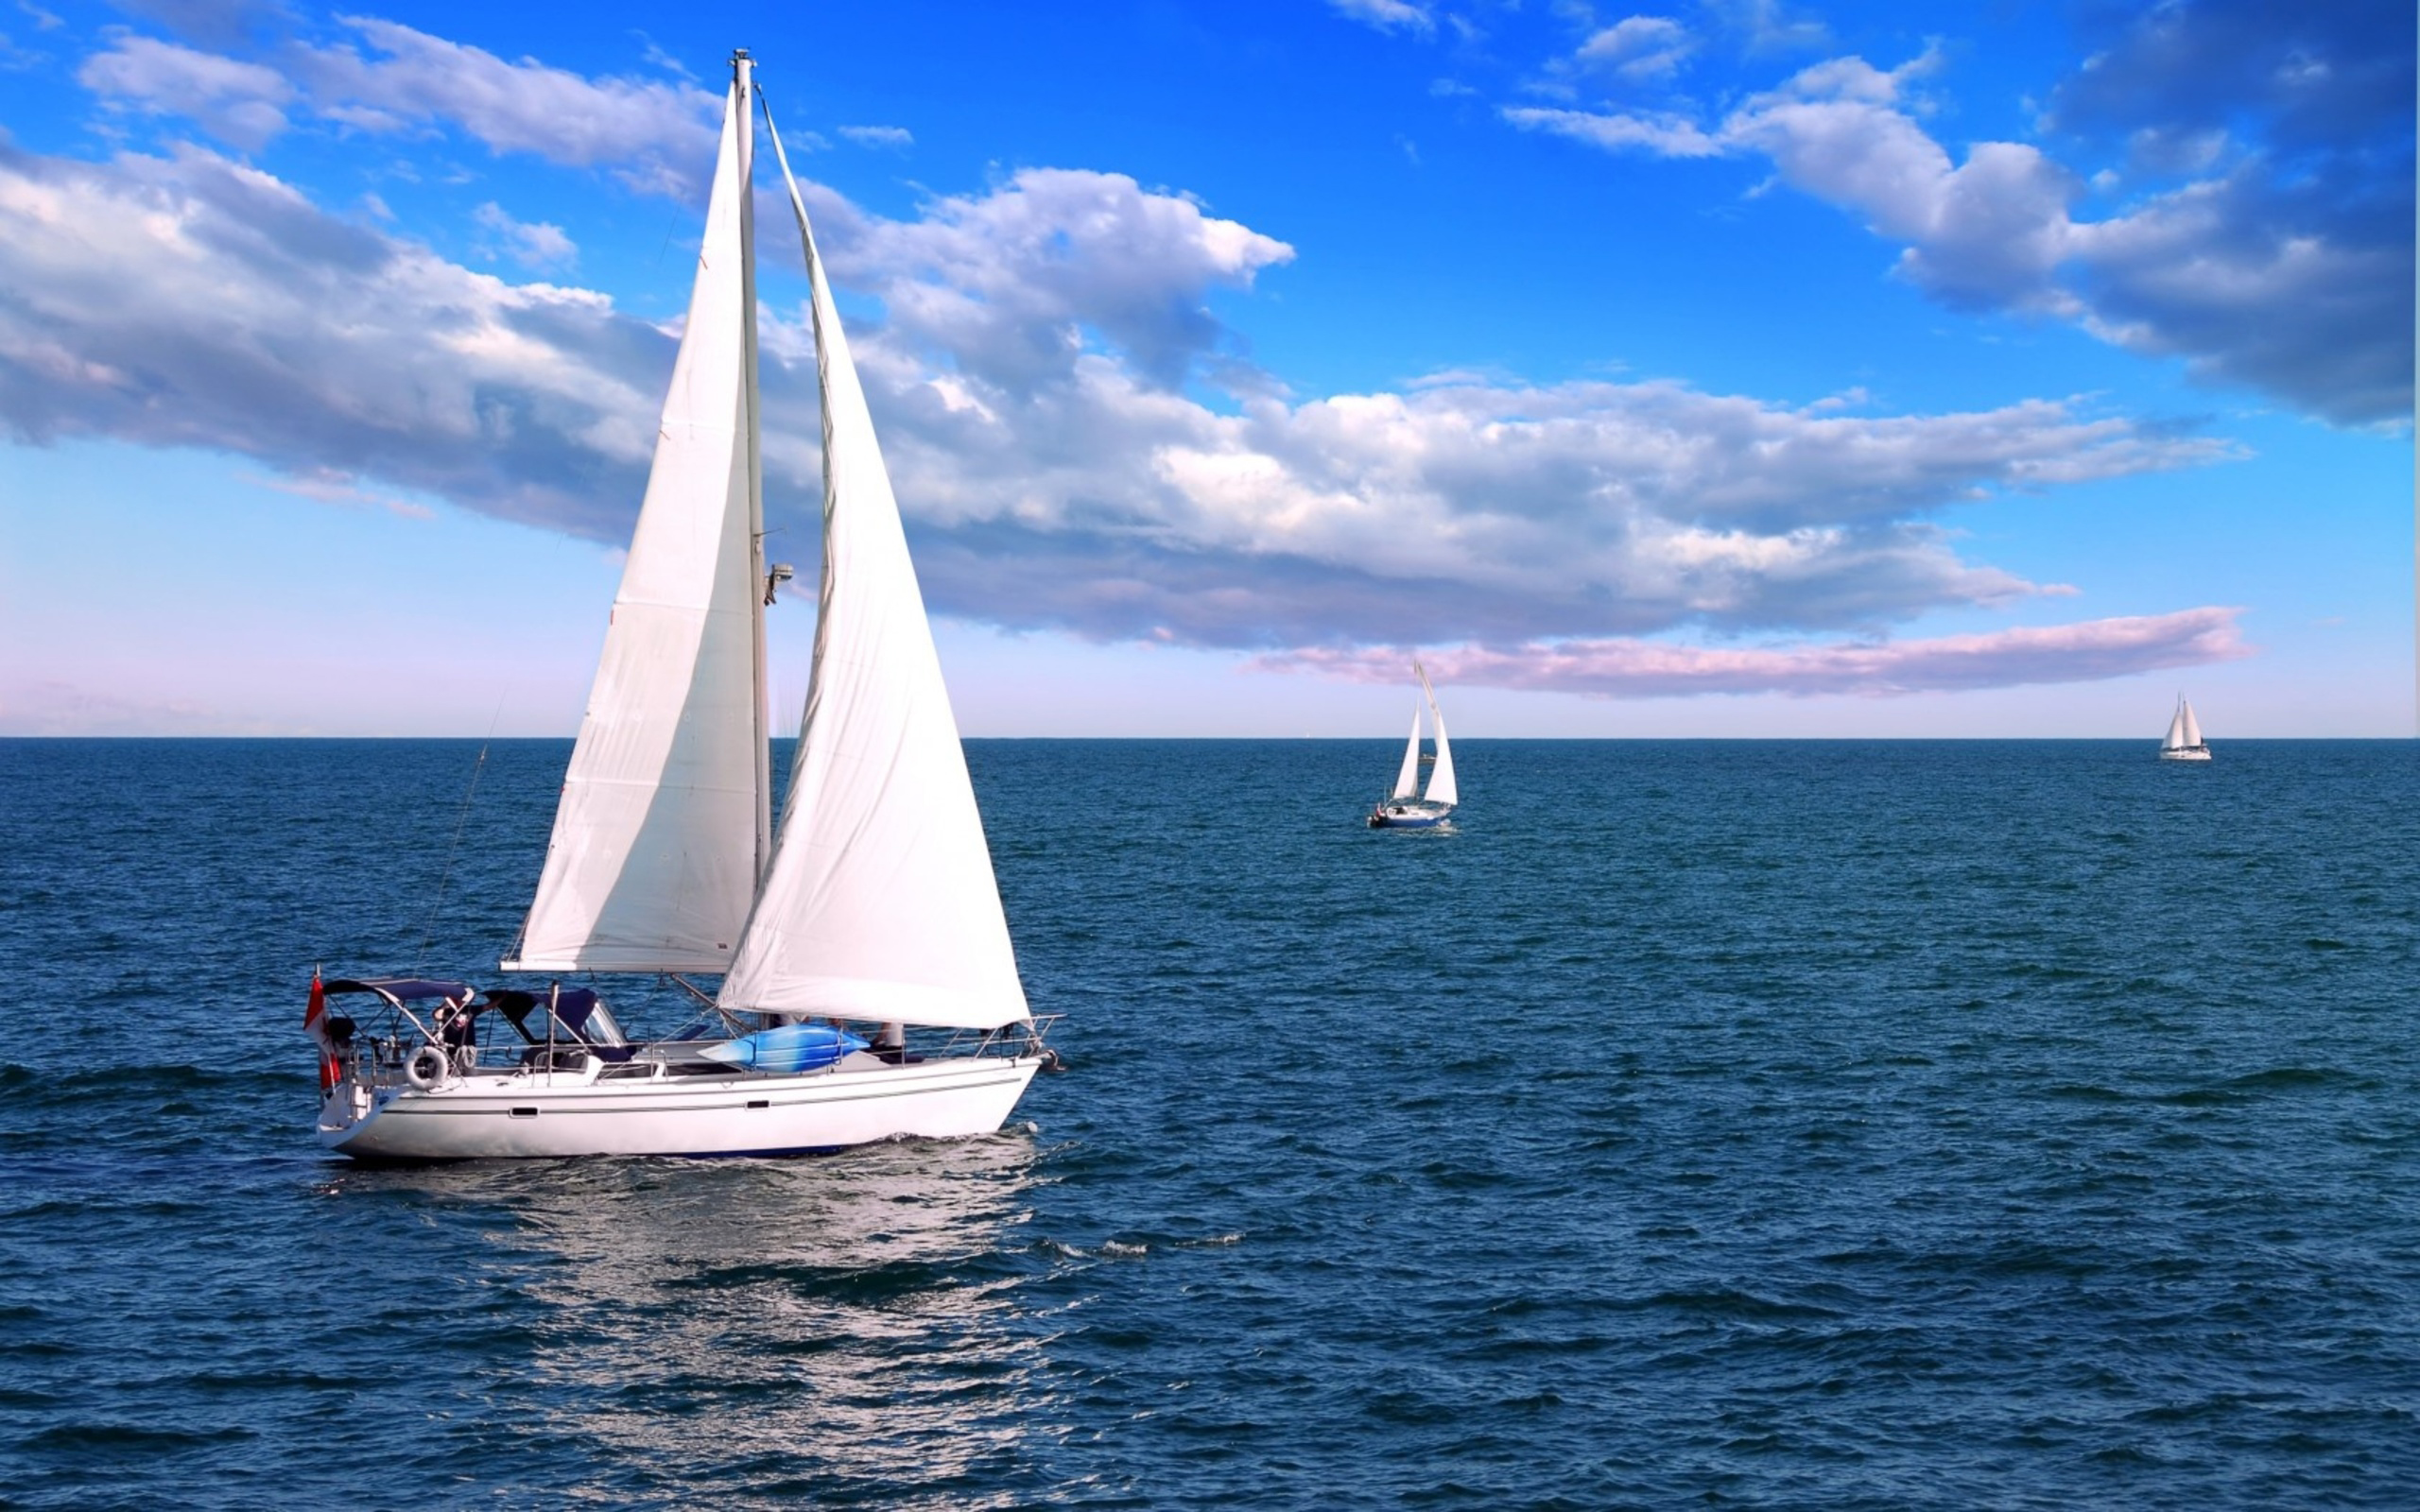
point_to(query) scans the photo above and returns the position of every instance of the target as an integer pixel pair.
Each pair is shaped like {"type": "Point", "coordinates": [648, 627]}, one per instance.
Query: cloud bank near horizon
{"type": "Point", "coordinates": [1077, 439]}
{"type": "Point", "coordinates": [2086, 651]}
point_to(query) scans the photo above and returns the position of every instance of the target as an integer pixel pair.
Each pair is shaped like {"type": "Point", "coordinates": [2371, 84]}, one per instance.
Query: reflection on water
{"type": "Point", "coordinates": [845, 1328]}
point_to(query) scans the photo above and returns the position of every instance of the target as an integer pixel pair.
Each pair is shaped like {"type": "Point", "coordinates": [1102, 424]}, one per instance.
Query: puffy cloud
{"type": "Point", "coordinates": [539, 245]}
{"type": "Point", "coordinates": [2065, 653]}
{"type": "Point", "coordinates": [1033, 374]}
{"type": "Point", "coordinates": [1006, 283]}
{"type": "Point", "coordinates": [234, 101]}
{"type": "Point", "coordinates": [1387, 15]}
{"type": "Point", "coordinates": [188, 301]}
{"type": "Point", "coordinates": [1637, 47]}
{"type": "Point", "coordinates": [2290, 270]}
{"type": "Point", "coordinates": [654, 136]}
{"type": "Point", "coordinates": [1667, 135]}
{"type": "Point", "coordinates": [1468, 509]}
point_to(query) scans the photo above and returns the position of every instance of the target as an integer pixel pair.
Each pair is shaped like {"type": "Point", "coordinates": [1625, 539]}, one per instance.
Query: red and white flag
{"type": "Point", "coordinates": [315, 1023]}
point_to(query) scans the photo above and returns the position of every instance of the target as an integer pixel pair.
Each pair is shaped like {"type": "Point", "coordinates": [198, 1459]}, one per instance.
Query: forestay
{"type": "Point", "coordinates": [1440, 777]}
{"type": "Point", "coordinates": [662, 827]}
{"type": "Point", "coordinates": [880, 903]}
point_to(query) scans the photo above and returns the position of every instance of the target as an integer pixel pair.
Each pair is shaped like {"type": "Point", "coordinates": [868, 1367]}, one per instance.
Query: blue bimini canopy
{"type": "Point", "coordinates": [582, 1014]}
{"type": "Point", "coordinates": [402, 989]}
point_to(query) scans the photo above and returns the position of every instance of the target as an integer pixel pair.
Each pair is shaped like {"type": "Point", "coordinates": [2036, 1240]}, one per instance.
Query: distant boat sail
{"type": "Point", "coordinates": [1399, 809]}
{"type": "Point", "coordinates": [2184, 741]}
{"type": "Point", "coordinates": [872, 903]}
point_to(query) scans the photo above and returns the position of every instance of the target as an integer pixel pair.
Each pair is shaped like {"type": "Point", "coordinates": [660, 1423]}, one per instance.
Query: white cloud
{"type": "Point", "coordinates": [2086, 651]}
{"type": "Point", "coordinates": [1005, 284]}
{"type": "Point", "coordinates": [897, 138]}
{"type": "Point", "coordinates": [653, 135]}
{"type": "Point", "coordinates": [1667, 135]}
{"type": "Point", "coordinates": [1637, 48]}
{"type": "Point", "coordinates": [541, 245]}
{"type": "Point", "coordinates": [1387, 15]}
{"type": "Point", "coordinates": [2299, 285]}
{"type": "Point", "coordinates": [329, 486]}
{"type": "Point", "coordinates": [190, 300]}
{"type": "Point", "coordinates": [1477, 511]}
{"type": "Point", "coordinates": [1032, 373]}
{"type": "Point", "coordinates": [238, 102]}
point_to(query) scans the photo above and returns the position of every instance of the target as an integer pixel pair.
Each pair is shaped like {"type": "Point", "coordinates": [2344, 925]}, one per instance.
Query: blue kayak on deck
{"type": "Point", "coordinates": [786, 1049]}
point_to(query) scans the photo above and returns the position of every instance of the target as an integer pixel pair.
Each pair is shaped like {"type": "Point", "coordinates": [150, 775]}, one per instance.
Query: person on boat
{"type": "Point", "coordinates": [457, 1026]}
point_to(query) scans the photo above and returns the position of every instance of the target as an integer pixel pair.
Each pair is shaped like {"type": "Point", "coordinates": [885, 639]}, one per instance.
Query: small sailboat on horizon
{"type": "Point", "coordinates": [1400, 809]}
{"type": "Point", "coordinates": [2184, 741]}
{"type": "Point", "coordinates": [869, 910]}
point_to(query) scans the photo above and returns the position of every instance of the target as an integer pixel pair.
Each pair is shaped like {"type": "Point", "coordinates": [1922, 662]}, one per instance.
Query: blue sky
{"type": "Point", "coordinates": [1724, 368]}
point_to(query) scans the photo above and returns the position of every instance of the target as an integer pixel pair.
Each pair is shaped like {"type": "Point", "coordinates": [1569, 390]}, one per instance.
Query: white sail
{"type": "Point", "coordinates": [1408, 779]}
{"type": "Point", "coordinates": [664, 822]}
{"type": "Point", "coordinates": [1440, 777]}
{"type": "Point", "coordinates": [2174, 739]}
{"type": "Point", "coordinates": [2192, 727]}
{"type": "Point", "coordinates": [879, 903]}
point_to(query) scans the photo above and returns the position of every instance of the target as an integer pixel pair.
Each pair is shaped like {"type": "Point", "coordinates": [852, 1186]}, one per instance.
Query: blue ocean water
{"type": "Point", "coordinates": [1845, 1125]}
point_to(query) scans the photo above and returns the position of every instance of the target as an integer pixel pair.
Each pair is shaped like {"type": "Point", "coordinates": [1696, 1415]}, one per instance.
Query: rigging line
{"type": "Point", "coordinates": [428, 928]}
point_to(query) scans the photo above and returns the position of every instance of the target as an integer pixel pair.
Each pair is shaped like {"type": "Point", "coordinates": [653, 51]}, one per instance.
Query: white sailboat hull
{"type": "Point", "coordinates": [541, 1114]}
{"type": "Point", "coordinates": [2187, 753]}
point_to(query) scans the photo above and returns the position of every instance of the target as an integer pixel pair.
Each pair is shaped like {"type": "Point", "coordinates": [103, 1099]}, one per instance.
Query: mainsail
{"type": "Point", "coordinates": [1440, 777]}
{"type": "Point", "coordinates": [2184, 731]}
{"type": "Point", "coordinates": [880, 901]}
{"type": "Point", "coordinates": [663, 827]}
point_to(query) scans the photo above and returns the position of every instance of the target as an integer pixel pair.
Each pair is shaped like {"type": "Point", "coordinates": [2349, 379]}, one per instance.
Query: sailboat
{"type": "Point", "coordinates": [1399, 809]}
{"type": "Point", "coordinates": [2184, 741]}
{"type": "Point", "coordinates": [869, 910]}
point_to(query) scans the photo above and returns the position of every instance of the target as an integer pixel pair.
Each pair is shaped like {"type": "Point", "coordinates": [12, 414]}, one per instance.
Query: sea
{"type": "Point", "coordinates": [1737, 1123]}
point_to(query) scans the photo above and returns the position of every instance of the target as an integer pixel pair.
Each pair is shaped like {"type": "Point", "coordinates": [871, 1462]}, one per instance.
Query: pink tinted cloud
{"type": "Point", "coordinates": [2082, 652]}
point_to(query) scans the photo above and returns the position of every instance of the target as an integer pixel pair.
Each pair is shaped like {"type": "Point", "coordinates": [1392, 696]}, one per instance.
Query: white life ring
{"type": "Point", "coordinates": [427, 1068]}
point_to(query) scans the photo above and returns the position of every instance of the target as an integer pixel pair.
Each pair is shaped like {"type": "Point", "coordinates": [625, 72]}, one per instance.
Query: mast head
{"type": "Point", "coordinates": [741, 64]}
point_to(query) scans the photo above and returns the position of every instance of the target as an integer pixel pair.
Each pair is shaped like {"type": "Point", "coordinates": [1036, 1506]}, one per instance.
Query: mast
{"type": "Point", "coordinates": [743, 84]}
{"type": "Point", "coordinates": [1440, 777]}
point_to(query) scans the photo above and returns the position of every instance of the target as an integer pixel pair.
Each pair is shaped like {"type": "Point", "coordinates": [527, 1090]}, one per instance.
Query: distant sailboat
{"type": "Point", "coordinates": [1400, 809]}
{"type": "Point", "coordinates": [2184, 741]}
{"type": "Point", "coordinates": [872, 903]}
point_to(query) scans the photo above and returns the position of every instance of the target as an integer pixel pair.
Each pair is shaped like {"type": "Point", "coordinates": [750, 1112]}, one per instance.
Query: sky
{"type": "Point", "coordinates": [1728, 368]}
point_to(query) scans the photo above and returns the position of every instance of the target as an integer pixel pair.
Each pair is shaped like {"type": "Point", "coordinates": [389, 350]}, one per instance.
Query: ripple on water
{"type": "Point", "coordinates": [1842, 1124]}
